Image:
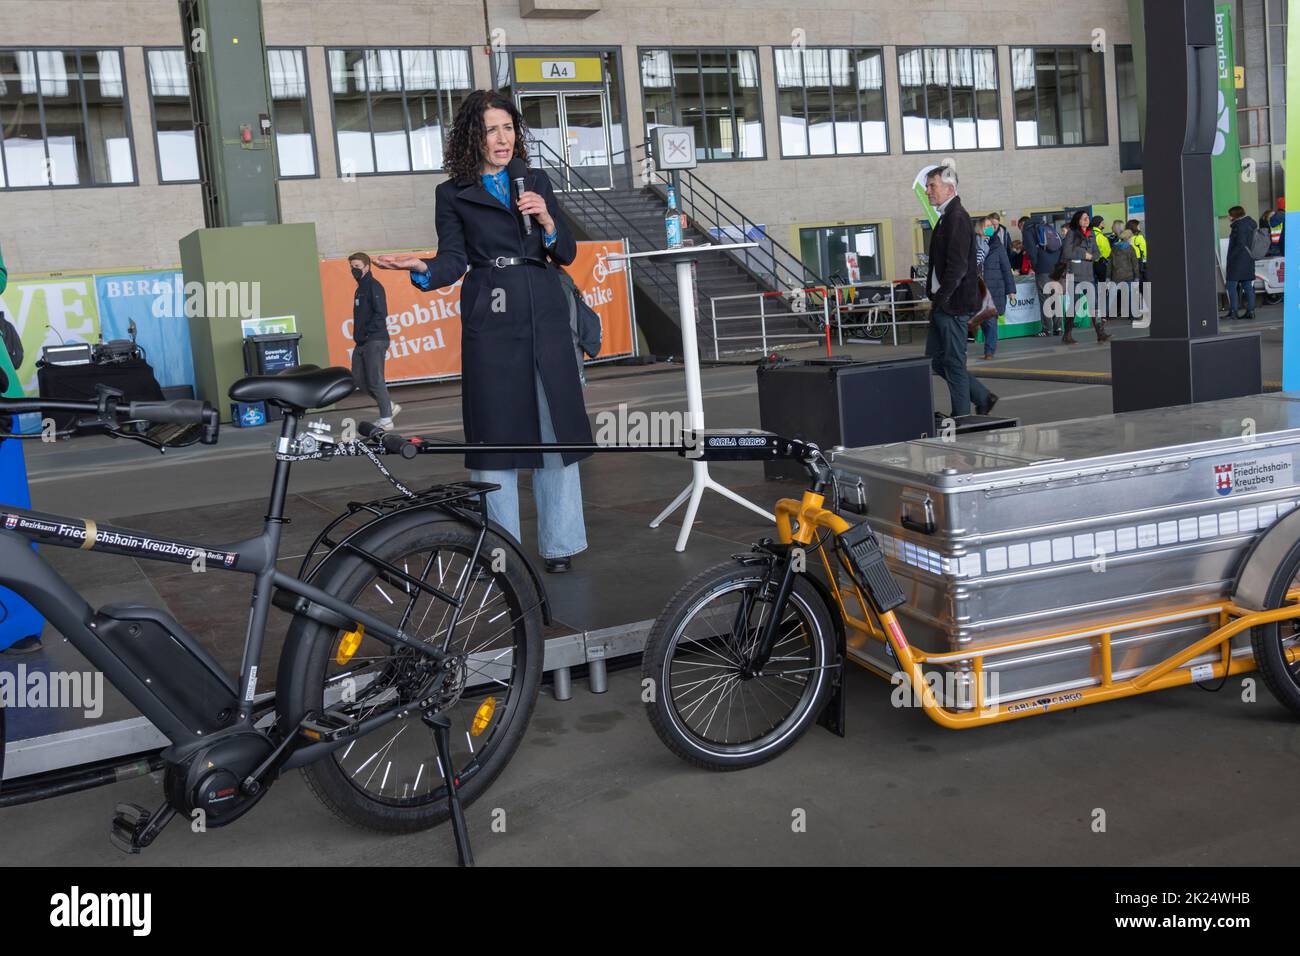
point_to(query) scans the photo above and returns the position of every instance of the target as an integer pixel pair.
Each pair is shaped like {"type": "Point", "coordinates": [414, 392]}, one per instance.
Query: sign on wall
{"type": "Point", "coordinates": [424, 327]}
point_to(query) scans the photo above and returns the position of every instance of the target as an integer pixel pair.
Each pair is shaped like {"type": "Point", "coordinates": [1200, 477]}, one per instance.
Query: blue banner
{"type": "Point", "coordinates": [1291, 281]}
{"type": "Point", "coordinates": [150, 299]}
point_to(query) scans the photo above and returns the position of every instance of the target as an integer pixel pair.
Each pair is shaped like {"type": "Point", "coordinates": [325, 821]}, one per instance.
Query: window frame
{"type": "Point", "coordinates": [731, 93]}
{"type": "Point", "coordinates": [311, 114]}
{"type": "Point", "coordinates": [947, 48]}
{"type": "Point", "coordinates": [884, 102]}
{"type": "Point", "coordinates": [1105, 95]}
{"type": "Point", "coordinates": [334, 125]}
{"type": "Point", "coordinates": [85, 118]}
{"type": "Point", "coordinates": [873, 225]}
{"type": "Point", "coordinates": [153, 120]}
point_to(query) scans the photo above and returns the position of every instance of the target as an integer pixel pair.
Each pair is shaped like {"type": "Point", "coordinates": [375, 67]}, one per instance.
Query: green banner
{"type": "Point", "coordinates": [1226, 157]}
{"type": "Point", "coordinates": [50, 311]}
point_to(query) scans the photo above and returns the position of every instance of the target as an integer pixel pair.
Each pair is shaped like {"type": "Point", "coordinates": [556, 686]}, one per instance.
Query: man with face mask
{"type": "Point", "coordinates": [370, 331]}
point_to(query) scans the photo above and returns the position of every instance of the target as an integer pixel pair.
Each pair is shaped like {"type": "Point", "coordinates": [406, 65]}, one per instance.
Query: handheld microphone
{"type": "Point", "coordinates": [516, 170]}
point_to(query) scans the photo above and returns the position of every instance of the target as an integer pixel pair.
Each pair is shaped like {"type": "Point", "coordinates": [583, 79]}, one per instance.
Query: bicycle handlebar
{"type": "Point", "coordinates": [111, 413]}
{"type": "Point", "coordinates": [180, 412]}
{"type": "Point", "coordinates": [391, 442]}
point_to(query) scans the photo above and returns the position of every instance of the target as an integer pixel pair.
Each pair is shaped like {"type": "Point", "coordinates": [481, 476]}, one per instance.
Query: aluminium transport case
{"type": "Point", "coordinates": [1056, 528]}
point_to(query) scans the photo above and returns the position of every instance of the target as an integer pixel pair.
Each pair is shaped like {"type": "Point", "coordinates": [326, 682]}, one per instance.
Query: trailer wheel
{"type": "Point", "coordinates": [1271, 641]}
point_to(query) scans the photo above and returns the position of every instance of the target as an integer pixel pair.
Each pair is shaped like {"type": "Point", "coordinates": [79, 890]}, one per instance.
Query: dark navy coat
{"type": "Point", "coordinates": [1240, 264]}
{"type": "Point", "coordinates": [998, 278]}
{"type": "Point", "coordinates": [500, 349]}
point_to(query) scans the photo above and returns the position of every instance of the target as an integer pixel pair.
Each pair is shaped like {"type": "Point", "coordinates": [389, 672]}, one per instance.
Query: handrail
{"type": "Point", "coordinates": [657, 273]}
{"type": "Point", "coordinates": [789, 270]}
{"type": "Point", "coordinates": [801, 274]}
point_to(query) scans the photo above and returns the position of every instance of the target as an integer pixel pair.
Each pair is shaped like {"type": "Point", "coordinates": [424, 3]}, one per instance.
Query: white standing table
{"type": "Point", "coordinates": [682, 258]}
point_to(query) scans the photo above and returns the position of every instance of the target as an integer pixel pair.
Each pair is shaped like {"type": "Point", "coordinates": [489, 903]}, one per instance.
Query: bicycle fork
{"type": "Point", "coordinates": [782, 569]}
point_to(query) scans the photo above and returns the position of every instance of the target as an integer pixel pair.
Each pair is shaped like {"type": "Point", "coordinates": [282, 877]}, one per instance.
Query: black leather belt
{"type": "Point", "coordinates": [501, 262]}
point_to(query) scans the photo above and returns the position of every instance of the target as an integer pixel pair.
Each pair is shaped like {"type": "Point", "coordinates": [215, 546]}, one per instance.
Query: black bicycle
{"type": "Point", "coordinates": [412, 613]}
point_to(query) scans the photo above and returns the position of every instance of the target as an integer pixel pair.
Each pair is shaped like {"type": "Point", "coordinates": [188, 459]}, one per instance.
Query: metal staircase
{"type": "Point", "coordinates": [636, 213]}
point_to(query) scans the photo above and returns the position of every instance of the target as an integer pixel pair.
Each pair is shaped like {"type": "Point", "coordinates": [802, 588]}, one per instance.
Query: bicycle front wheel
{"type": "Point", "coordinates": [705, 708]}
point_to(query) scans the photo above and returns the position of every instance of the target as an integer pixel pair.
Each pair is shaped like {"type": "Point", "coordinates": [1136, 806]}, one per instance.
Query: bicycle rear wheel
{"type": "Point", "coordinates": [704, 708]}
{"type": "Point", "coordinates": [392, 779]}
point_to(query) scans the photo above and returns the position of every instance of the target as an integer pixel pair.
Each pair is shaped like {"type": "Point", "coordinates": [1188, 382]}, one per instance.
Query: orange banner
{"type": "Point", "coordinates": [424, 327]}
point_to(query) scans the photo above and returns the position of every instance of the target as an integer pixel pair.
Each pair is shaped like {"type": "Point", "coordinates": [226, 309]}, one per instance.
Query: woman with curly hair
{"type": "Point", "coordinates": [520, 381]}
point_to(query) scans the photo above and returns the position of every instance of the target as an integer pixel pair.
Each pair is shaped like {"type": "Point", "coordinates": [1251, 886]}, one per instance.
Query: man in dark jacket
{"type": "Point", "coordinates": [953, 288]}
{"type": "Point", "coordinates": [370, 332]}
{"type": "Point", "coordinates": [1044, 261]}
{"type": "Point", "coordinates": [1239, 270]}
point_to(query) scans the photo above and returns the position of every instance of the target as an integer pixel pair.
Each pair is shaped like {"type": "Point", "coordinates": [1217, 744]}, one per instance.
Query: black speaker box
{"type": "Point", "coordinates": [853, 404]}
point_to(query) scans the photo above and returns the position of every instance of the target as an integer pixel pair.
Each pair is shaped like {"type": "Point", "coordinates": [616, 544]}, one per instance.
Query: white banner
{"type": "Point", "coordinates": [1025, 310]}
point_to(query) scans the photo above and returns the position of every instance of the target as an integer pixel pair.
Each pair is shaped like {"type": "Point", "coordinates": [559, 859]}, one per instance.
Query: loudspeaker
{"type": "Point", "coordinates": [853, 404]}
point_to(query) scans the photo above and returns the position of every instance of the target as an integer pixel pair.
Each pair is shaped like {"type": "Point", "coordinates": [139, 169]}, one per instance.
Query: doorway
{"type": "Point", "coordinates": [570, 133]}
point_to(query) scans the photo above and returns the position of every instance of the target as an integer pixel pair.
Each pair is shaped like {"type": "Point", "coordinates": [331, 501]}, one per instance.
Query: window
{"type": "Point", "coordinates": [295, 149]}
{"type": "Point", "coordinates": [63, 119]}
{"type": "Point", "coordinates": [949, 98]}
{"type": "Point", "coordinates": [1130, 136]}
{"type": "Point", "coordinates": [1060, 95]}
{"type": "Point", "coordinates": [824, 250]}
{"type": "Point", "coordinates": [832, 102]}
{"type": "Point", "coordinates": [392, 105]}
{"type": "Point", "coordinates": [715, 92]}
{"type": "Point", "coordinates": [173, 116]}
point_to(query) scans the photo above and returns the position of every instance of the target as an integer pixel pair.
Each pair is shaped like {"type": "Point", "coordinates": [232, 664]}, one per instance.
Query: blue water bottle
{"type": "Point", "coordinates": [672, 222]}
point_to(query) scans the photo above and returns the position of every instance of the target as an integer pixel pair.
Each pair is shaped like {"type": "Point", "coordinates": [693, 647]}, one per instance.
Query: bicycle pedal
{"type": "Point", "coordinates": [327, 726]}
{"type": "Point", "coordinates": [128, 819]}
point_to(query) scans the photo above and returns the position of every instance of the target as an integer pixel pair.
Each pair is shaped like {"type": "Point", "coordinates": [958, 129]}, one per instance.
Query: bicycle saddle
{"type": "Point", "coordinates": [305, 387]}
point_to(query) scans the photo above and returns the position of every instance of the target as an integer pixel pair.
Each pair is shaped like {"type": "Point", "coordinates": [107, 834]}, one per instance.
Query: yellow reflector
{"type": "Point", "coordinates": [483, 716]}
{"type": "Point", "coordinates": [349, 644]}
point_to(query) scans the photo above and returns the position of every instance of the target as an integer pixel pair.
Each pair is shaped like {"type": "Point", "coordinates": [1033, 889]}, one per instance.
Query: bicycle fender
{"type": "Point", "coordinates": [1265, 555]}
{"type": "Point", "coordinates": [832, 715]}
{"type": "Point", "coordinates": [399, 521]}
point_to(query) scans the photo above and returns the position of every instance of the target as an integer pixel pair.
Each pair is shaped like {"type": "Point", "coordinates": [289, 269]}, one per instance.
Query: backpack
{"type": "Point", "coordinates": [12, 342]}
{"type": "Point", "coordinates": [1048, 238]}
{"type": "Point", "coordinates": [1259, 243]}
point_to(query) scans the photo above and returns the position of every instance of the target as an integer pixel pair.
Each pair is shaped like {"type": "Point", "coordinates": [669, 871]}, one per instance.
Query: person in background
{"type": "Point", "coordinates": [1124, 269]}
{"type": "Point", "coordinates": [1101, 266]}
{"type": "Point", "coordinates": [1277, 232]}
{"type": "Point", "coordinates": [998, 279]}
{"type": "Point", "coordinates": [1079, 252]}
{"type": "Point", "coordinates": [1002, 232]}
{"type": "Point", "coordinates": [1239, 269]}
{"type": "Point", "coordinates": [1139, 246]}
{"type": "Point", "coordinates": [1020, 263]}
{"type": "Point", "coordinates": [370, 332]}
{"type": "Point", "coordinates": [1043, 246]}
{"type": "Point", "coordinates": [953, 288]}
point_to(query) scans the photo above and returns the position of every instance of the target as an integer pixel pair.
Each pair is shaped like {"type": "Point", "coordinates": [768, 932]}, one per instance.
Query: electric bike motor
{"type": "Point", "coordinates": [211, 780]}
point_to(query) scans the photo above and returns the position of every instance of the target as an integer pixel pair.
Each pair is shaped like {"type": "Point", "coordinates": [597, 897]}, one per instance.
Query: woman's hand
{"type": "Point", "coordinates": [532, 204]}
{"type": "Point", "coordinates": [404, 261]}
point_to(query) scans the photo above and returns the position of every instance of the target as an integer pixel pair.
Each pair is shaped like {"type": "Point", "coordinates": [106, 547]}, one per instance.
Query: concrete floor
{"type": "Point", "coordinates": [1183, 777]}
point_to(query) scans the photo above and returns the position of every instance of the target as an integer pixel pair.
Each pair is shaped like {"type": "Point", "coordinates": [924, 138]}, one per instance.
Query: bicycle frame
{"type": "Point", "coordinates": [812, 518]}
{"type": "Point", "coordinates": [23, 571]}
